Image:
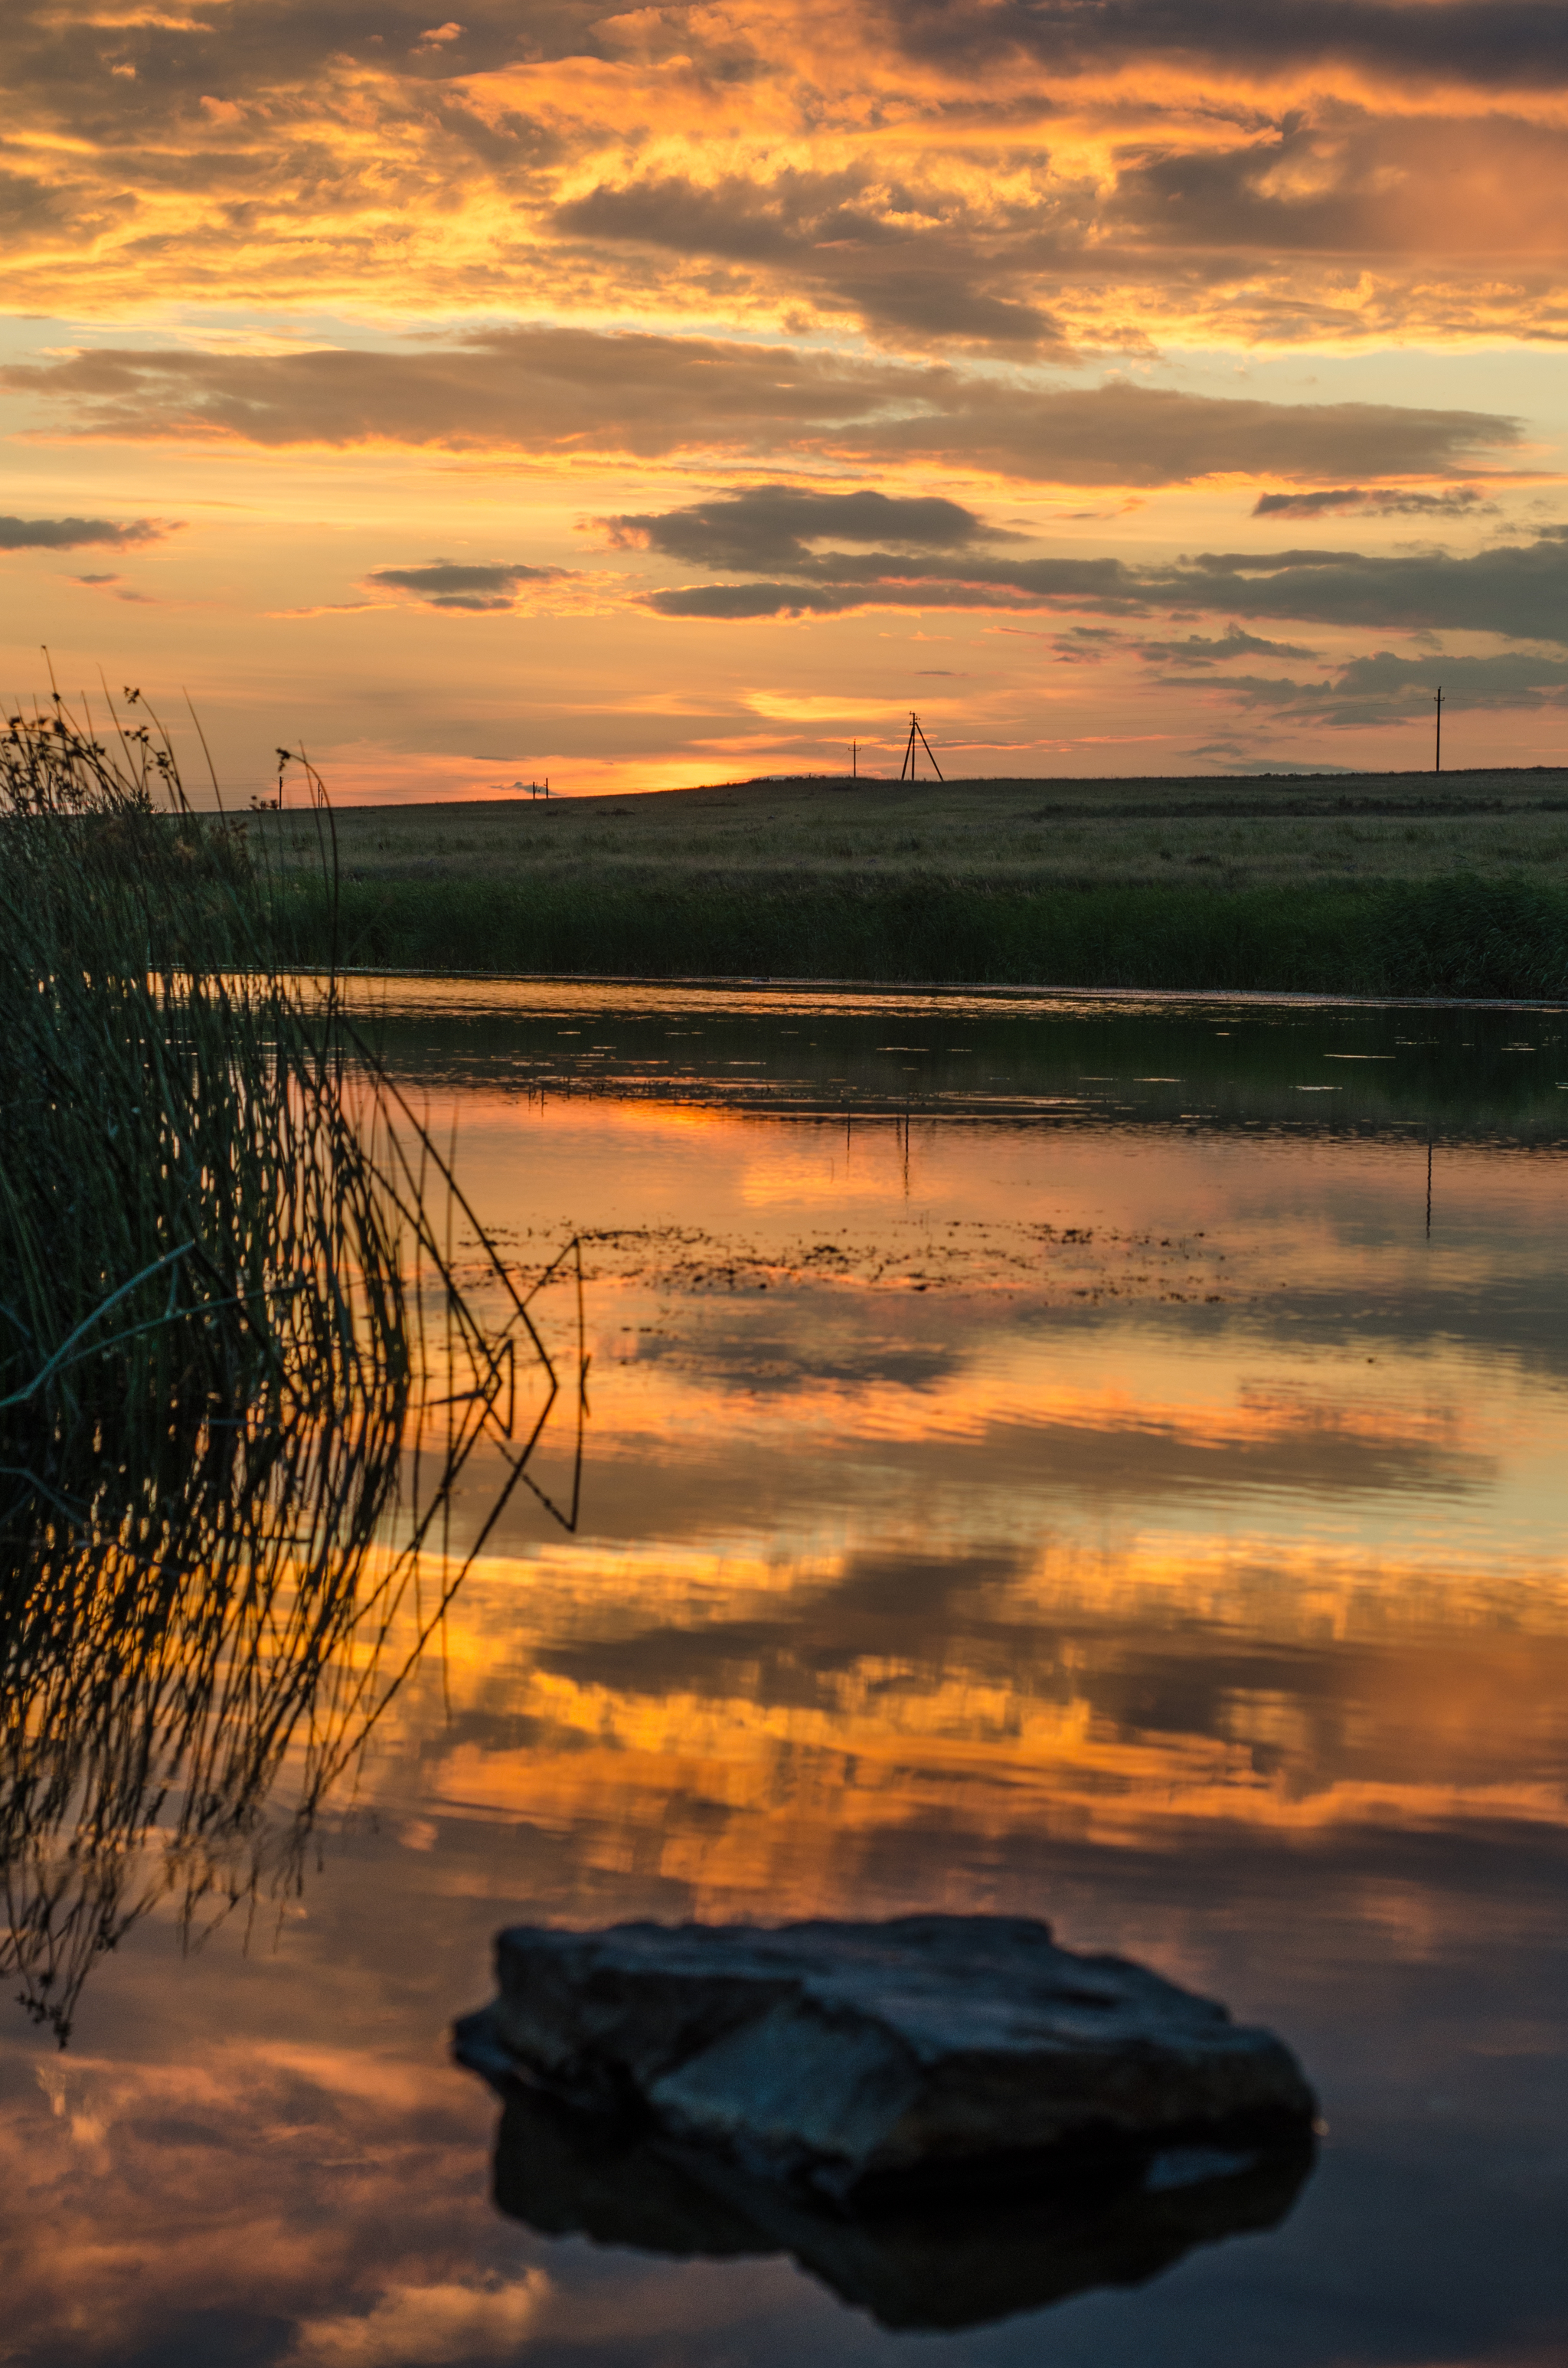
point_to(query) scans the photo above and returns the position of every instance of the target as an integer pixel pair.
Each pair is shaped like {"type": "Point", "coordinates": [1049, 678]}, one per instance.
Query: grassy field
{"type": "Point", "coordinates": [1405, 883]}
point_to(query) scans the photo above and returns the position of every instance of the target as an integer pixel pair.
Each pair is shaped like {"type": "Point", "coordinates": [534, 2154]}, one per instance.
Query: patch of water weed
{"type": "Point", "coordinates": [239, 1382]}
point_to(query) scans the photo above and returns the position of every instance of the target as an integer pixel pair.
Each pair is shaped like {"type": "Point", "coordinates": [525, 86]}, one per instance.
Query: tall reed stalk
{"type": "Point", "coordinates": [238, 1378]}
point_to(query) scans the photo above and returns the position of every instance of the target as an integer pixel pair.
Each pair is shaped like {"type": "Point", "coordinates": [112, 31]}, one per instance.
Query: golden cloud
{"type": "Point", "coordinates": [1022, 179]}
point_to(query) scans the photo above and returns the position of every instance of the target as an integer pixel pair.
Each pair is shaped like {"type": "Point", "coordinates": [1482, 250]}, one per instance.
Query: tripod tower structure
{"type": "Point", "coordinates": [907, 770]}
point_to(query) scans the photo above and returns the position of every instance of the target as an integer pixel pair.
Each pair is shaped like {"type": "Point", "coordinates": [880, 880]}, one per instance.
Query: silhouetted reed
{"type": "Point", "coordinates": [239, 1380]}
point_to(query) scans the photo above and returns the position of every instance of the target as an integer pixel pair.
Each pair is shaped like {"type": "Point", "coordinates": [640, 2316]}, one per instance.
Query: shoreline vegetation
{"type": "Point", "coordinates": [1377, 884]}
{"type": "Point", "coordinates": [238, 1378]}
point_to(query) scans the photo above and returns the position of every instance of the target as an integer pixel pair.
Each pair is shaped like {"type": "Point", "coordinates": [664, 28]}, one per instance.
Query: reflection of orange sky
{"type": "Point", "coordinates": [1178, 1320]}
{"type": "Point", "coordinates": [117, 2172]}
{"type": "Point", "coordinates": [1334, 1557]}
{"type": "Point", "coordinates": [902, 1681]}
{"type": "Point", "coordinates": [1124, 1382]}
{"type": "Point", "coordinates": [1387, 1691]}
{"type": "Point", "coordinates": [518, 1153]}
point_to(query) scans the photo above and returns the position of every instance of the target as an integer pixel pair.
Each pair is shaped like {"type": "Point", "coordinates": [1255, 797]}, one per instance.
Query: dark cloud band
{"type": "Point", "coordinates": [773, 526]}
{"type": "Point", "coordinates": [70, 533]}
{"type": "Point", "coordinates": [566, 390]}
{"type": "Point", "coordinates": [1374, 501]}
{"type": "Point", "coordinates": [1384, 688]}
{"type": "Point", "coordinates": [1518, 590]}
{"type": "Point", "coordinates": [1494, 43]}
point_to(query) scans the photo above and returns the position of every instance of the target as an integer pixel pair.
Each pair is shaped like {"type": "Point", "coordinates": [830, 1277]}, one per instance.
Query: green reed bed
{"type": "Point", "coordinates": [189, 1205]}
{"type": "Point", "coordinates": [227, 1316]}
{"type": "Point", "coordinates": [1453, 935]}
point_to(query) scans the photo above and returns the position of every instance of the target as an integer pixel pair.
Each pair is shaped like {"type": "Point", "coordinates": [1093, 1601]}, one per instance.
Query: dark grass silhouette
{"type": "Point", "coordinates": [1456, 934]}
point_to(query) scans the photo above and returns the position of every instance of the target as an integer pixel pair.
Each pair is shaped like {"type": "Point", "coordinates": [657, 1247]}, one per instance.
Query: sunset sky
{"type": "Point", "coordinates": [676, 396]}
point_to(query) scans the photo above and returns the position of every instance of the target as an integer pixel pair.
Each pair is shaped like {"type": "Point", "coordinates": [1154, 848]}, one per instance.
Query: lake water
{"type": "Point", "coordinates": [1096, 1461]}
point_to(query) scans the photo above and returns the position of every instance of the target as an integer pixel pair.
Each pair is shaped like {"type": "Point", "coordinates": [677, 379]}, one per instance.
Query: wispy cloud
{"type": "Point", "coordinates": [1376, 501]}
{"type": "Point", "coordinates": [1216, 649]}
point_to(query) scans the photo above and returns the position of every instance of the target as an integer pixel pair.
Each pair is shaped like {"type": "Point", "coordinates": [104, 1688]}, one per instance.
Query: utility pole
{"type": "Point", "coordinates": [854, 760]}
{"type": "Point", "coordinates": [1438, 766]}
{"type": "Point", "coordinates": [907, 768]}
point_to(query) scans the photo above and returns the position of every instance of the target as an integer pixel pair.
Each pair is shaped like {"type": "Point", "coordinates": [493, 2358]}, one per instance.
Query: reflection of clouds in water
{"type": "Point", "coordinates": [329, 2195]}
{"type": "Point", "coordinates": [761, 1735]}
{"type": "Point", "coordinates": [422, 2326]}
{"type": "Point", "coordinates": [1190, 1629]}
{"type": "Point", "coordinates": [223, 2180]}
{"type": "Point", "coordinates": [1134, 1407]}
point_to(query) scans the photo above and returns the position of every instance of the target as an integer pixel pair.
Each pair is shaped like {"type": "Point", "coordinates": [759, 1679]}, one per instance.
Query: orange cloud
{"type": "Point", "coordinates": [977, 177]}
{"type": "Point", "coordinates": [891, 252]}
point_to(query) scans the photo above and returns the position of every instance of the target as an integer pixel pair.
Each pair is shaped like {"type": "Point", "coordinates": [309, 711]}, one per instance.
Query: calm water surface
{"type": "Point", "coordinates": [1104, 1463]}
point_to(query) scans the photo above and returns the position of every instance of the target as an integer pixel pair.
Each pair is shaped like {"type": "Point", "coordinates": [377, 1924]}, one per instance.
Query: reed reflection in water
{"type": "Point", "coordinates": [239, 1379]}
{"type": "Point", "coordinates": [1114, 1510]}
{"type": "Point", "coordinates": [186, 1673]}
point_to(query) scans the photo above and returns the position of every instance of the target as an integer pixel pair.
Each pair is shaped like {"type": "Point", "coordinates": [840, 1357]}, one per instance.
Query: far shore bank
{"type": "Point", "coordinates": [1375, 885]}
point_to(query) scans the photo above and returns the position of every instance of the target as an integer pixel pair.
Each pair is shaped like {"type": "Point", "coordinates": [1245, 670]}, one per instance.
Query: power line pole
{"type": "Point", "coordinates": [1438, 766]}
{"type": "Point", "coordinates": [854, 760]}
{"type": "Point", "coordinates": [907, 768]}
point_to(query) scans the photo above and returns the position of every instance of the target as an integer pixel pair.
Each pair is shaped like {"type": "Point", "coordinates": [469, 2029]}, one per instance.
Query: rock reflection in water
{"type": "Point", "coordinates": [1114, 2223]}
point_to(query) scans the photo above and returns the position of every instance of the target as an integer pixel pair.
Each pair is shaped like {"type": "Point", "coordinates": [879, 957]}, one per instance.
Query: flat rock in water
{"type": "Point", "coordinates": [868, 2062]}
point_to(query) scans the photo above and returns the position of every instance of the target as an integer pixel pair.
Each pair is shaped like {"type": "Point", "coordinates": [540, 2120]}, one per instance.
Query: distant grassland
{"type": "Point", "coordinates": [1364, 883]}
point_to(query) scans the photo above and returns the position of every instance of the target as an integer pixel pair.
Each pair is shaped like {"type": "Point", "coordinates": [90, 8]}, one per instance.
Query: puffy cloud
{"type": "Point", "coordinates": [443, 584]}
{"type": "Point", "coordinates": [773, 526]}
{"type": "Point", "coordinates": [1520, 589]}
{"type": "Point", "coordinates": [1386, 689]}
{"type": "Point", "coordinates": [67, 533]}
{"type": "Point", "coordinates": [565, 392]}
{"type": "Point", "coordinates": [1338, 182]}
